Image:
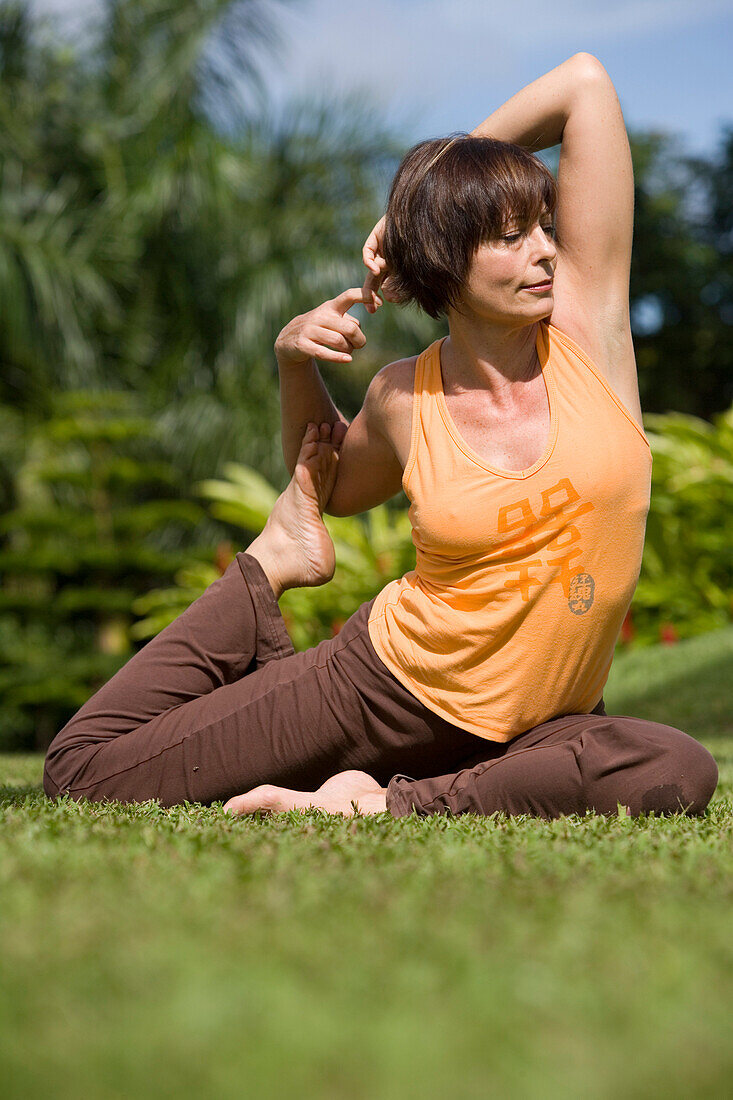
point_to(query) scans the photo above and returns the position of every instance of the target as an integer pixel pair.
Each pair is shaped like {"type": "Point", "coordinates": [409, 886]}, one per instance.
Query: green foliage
{"type": "Point", "coordinates": [97, 519]}
{"type": "Point", "coordinates": [686, 685]}
{"type": "Point", "coordinates": [682, 266]}
{"type": "Point", "coordinates": [686, 582]}
{"type": "Point", "coordinates": [145, 244]}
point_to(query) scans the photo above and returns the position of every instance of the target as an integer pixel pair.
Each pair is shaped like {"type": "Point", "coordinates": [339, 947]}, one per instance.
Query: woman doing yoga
{"type": "Point", "coordinates": [473, 683]}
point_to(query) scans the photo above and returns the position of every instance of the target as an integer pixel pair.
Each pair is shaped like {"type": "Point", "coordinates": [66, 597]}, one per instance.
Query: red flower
{"type": "Point", "coordinates": [667, 634]}
{"type": "Point", "coordinates": [382, 563]}
{"type": "Point", "coordinates": [336, 626]}
{"type": "Point", "coordinates": [627, 628]}
{"type": "Point", "coordinates": [223, 557]}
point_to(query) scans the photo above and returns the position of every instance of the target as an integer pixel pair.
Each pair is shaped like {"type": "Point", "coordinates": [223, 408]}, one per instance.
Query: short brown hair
{"type": "Point", "coordinates": [448, 196]}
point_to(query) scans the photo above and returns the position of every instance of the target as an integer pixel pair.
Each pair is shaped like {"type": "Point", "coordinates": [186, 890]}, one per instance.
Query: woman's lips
{"type": "Point", "coordinates": [540, 286]}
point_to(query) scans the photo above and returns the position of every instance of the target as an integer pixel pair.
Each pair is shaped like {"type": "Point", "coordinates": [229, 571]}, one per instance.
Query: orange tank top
{"type": "Point", "coordinates": [522, 578]}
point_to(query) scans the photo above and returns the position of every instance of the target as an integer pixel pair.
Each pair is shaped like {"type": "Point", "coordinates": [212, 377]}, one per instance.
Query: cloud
{"type": "Point", "coordinates": [433, 66]}
{"type": "Point", "coordinates": [420, 48]}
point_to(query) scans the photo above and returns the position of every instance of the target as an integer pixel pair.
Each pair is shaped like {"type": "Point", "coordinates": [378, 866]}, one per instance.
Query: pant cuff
{"type": "Point", "coordinates": [273, 640]}
{"type": "Point", "coordinates": [398, 799]}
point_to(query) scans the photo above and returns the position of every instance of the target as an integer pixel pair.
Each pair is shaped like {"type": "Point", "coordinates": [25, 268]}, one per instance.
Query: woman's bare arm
{"type": "Point", "coordinates": [535, 117]}
{"type": "Point", "coordinates": [577, 105]}
{"type": "Point", "coordinates": [369, 472]}
{"type": "Point", "coordinates": [303, 398]}
{"type": "Point", "coordinates": [329, 333]}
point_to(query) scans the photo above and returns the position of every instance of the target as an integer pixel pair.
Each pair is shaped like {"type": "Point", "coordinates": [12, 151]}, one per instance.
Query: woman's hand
{"type": "Point", "coordinates": [372, 255]}
{"type": "Point", "coordinates": [326, 332]}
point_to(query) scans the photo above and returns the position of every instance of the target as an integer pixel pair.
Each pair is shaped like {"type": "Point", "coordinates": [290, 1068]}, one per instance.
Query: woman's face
{"type": "Point", "coordinates": [501, 270]}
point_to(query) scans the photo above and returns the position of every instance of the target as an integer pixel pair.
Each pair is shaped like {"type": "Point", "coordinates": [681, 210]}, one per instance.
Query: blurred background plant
{"type": "Point", "coordinates": [686, 582]}
{"type": "Point", "coordinates": [98, 518]}
{"type": "Point", "coordinates": [159, 224]}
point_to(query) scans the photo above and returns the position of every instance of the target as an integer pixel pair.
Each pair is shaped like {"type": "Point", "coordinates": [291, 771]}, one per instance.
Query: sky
{"type": "Point", "coordinates": [436, 66]}
{"type": "Point", "coordinates": [442, 65]}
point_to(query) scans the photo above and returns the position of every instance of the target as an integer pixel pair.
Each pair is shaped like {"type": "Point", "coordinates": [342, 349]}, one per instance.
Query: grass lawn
{"type": "Point", "coordinates": [179, 953]}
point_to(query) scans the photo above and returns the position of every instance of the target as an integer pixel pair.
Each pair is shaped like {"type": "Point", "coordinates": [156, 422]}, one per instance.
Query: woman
{"type": "Point", "coordinates": [481, 672]}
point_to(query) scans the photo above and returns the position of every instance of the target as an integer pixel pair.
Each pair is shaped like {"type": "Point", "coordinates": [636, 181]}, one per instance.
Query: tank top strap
{"type": "Point", "coordinates": [423, 402]}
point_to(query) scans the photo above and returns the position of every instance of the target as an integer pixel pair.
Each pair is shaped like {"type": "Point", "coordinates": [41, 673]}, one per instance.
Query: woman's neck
{"type": "Point", "coordinates": [489, 357]}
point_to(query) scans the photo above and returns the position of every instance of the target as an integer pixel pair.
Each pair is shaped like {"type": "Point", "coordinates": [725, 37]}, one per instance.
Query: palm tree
{"type": "Point", "coordinates": [159, 227]}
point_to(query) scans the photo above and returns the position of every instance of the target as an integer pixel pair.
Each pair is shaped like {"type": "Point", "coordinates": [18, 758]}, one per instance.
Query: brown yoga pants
{"type": "Point", "coordinates": [219, 702]}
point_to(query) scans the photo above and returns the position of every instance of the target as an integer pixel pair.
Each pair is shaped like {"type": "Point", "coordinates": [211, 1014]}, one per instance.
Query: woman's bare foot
{"type": "Point", "coordinates": [295, 549]}
{"type": "Point", "coordinates": [335, 796]}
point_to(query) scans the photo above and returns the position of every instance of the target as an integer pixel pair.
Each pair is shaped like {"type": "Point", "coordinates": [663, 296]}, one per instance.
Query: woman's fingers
{"type": "Point", "coordinates": [342, 321]}
{"type": "Point", "coordinates": [347, 298]}
{"type": "Point", "coordinates": [332, 338]}
{"type": "Point", "coordinates": [371, 252]}
{"type": "Point", "coordinates": [348, 327]}
{"type": "Point", "coordinates": [369, 290]}
{"type": "Point", "coordinates": [338, 433]}
{"type": "Point", "coordinates": [327, 332]}
{"type": "Point", "coordinates": [319, 351]}
{"type": "Point", "coordinates": [372, 284]}
{"type": "Point", "coordinates": [373, 259]}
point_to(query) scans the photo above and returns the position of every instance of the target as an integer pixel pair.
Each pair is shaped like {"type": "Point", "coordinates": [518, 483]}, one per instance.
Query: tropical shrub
{"type": "Point", "coordinates": [94, 517]}
{"type": "Point", "coordinates": [686, 582]}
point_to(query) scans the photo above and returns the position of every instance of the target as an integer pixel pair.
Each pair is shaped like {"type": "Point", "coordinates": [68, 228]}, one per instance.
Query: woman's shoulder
{"type": "Point", "coordinates": [393, 388]}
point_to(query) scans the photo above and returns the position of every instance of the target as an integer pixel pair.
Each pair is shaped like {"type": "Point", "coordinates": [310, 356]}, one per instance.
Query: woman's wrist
{"type": "Point", "coordinates": [286, 364]}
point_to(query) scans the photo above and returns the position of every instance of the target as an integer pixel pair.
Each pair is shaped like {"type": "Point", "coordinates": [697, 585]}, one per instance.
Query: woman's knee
{"type": "Point", "coordinates": [645, 766]}
{"type": "Point", "coordinates": [50, 787]}
{"type": "Point", "coordinates": [686, 777]}
{"type": "Point", "coordinates": [62, 766]}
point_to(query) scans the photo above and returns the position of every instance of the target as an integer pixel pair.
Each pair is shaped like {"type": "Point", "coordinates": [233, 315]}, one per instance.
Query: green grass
{"type": "Point", "coordinates": [176, 953]}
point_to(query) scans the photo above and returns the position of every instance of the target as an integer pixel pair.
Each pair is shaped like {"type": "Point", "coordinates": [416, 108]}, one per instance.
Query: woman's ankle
{"type": "Point", "coordinates": [268, 562]}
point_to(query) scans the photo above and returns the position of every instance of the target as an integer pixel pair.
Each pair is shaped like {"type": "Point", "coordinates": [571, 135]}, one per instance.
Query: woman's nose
{"type": "Point", "coordinates": [547, 245]}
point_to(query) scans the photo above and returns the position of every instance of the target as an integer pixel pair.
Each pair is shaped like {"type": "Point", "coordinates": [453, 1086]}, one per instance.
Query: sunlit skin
{"type": "Point", "coordinates": [492, 341]}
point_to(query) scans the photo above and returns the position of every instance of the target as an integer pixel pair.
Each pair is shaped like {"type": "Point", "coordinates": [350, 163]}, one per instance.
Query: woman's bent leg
{"type": "Point", "coordinates": [571, 765]}
{"type": "Point", "coordinates": [232, 630]}
{"type": "Point", "coordinates": [294, 723]}
{"type": "Point", "coordinates": [190, 716]}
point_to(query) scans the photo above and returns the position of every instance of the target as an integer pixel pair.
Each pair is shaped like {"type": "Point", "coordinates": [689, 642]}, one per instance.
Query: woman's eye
{"type": "Point", "coordinates": [549, 229]}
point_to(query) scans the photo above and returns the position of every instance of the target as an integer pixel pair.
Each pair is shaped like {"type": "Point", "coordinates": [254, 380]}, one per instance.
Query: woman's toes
{"type": "Point", "coordinates": [263, 797]}
{"type": "Point", "coordinates": [338, 433]}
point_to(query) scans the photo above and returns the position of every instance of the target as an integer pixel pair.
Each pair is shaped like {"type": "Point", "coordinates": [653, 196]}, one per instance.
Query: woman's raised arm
{"type": "Point", "coordinates": [535, 117]}
{"type": "Point", "coordinates": [576, 104]}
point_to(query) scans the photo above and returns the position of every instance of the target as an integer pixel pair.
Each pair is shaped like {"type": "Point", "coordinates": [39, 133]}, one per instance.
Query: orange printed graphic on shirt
{"type": "Point", "coordinates": [559, 506]}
